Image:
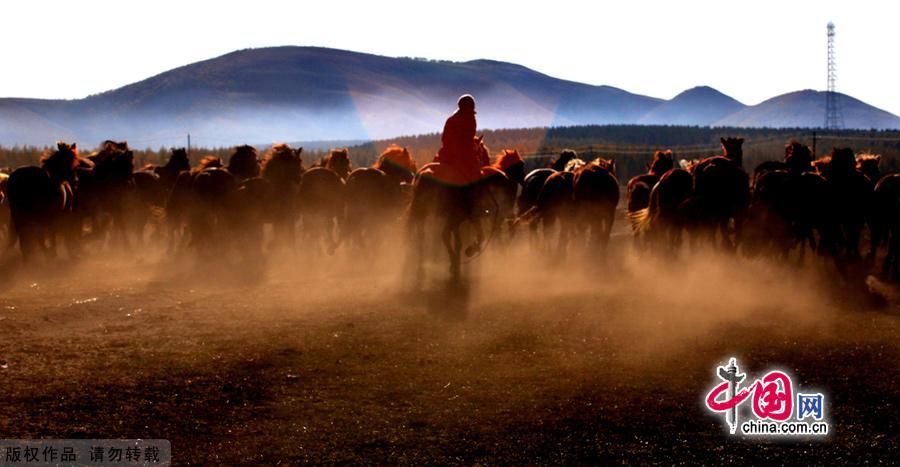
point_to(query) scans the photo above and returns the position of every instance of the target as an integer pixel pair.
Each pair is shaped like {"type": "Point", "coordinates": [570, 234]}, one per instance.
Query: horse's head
{"type": "Point", "coordinates": [733, 149]}
{"type": "Point", "coordinates": [560, 162]}
{"type": "Point", "coordinates": [244, 162]}
{"type": "Point", "coordinates": [867, 164]}
{"type": "Point", "coordinates": [481, 151]}
{"type": "Point", "coordinates": [338, 160]}
{"type": "Point", "coordinates": [843, 161]}
{"type": "Point", "coordinates": [511, 163]}
{"type": "Point", "coordinates": [61, 163]}
{"type": "Point", "coordinates": [114, 162]}
{"type": "Point", "coordinates": [662, 162]}
{"type": "Point", "coordinates": [282, 163]}
{"type": "Point", "coordinates": [179, 160]}
{"type": "Point", "coordinates": [797, 156]}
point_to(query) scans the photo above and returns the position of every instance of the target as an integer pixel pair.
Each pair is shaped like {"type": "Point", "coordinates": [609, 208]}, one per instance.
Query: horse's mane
{"type": "Point", "coordinates": [507, 159]}
{"type": "Point", "coordinates": [209, 162]}
{"type": "Point", "coordinates": [244, 162]}
{"type": "Point", "coordinates": [395, 156]}
{"type": "Point", "coordinates": [688, 164]}
{"type": "Point", "coordinates": [574, 164]}
{"type": "Point", "coordinates": [863, 158]}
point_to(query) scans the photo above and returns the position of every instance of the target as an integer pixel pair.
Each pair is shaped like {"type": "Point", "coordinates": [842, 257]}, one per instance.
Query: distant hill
{"type": "Point", "coordinates": [807, 109]}
{"type": "Point", "coordinates": [310, 93]}
{"type": "Point", "coordinates": [701, 105]}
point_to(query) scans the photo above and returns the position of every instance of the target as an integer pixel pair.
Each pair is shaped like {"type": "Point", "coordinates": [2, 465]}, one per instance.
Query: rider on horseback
{"type": "Point", "coordinates": [458, 152]}
{"type": "Point", "coordinates": [457, 141]}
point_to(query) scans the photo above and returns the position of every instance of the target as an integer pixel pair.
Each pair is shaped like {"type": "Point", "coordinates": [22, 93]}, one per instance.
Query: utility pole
{"type": "Point", "coordinates": [189, 145]}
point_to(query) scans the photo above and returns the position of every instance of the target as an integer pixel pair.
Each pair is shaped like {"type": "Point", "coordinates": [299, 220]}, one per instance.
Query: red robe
{"type": "Point", "coordinates": [458, 144]}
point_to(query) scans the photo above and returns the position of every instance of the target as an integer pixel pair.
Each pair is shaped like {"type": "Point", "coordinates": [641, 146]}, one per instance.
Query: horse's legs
{"type": "Point", "coordinates": [453, 244]}
{"type": "Point", "coordinates": [563, 239]}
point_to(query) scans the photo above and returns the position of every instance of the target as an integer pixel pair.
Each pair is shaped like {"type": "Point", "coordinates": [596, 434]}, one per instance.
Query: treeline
{"type": "Point", "coordinates": [631, 146]}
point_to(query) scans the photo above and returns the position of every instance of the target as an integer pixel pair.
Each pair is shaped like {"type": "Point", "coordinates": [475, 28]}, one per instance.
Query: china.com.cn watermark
{"type": "Point", "coordinates": [775, 409]}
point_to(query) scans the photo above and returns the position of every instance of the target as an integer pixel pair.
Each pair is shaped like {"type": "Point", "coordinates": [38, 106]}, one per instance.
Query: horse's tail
{"type": "Point", "coordinates": [640, 220]}
{"type": "Point", "coordinates": [526, 217]}
{"type": "Point", "coordinates": [12, 235]}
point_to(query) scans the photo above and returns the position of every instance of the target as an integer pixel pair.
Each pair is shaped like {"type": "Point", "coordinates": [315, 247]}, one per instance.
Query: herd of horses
{"type": "Point", "coordinates": [215, 208]}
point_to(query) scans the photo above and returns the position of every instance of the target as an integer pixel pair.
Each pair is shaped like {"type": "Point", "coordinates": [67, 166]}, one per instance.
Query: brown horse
{"type": "Point", "coordinates": [664, 220]}
{"type": "Point", "coordinates": [791, 207]}
{"type": "Point", "coordinates": [5, 225]}
{"type": "Point", "coordinates": [851, 195]}
{"type": "Point", "coordinates": [322, 194]}
{"type": "Point", "coordinates": [596, 195]}
{"type": "Point", "coordinates": [397, 164]}
{"type": "Point", "coordinates": [376, 196]}
{"type": "Point", "coordinates": [553, 211]}
{"type": "Point", "coordinates": [282, 169]}
{"type": "Point", "coordinates": [179, 204]}
{"type": "Point", "coordinates": [639, 187]}
{"type": "Point", "coordinates": [41, 200]}
{"type": "Point", "coordinates": [338, 161]}
{"type": "Point", "coordinates": [443, 192]}
{"type": "Point", "coordinates": [721, 194]}
{"type": "Point", "coordinates": [527, 201]}
{"type": "Point", "coordinates": [103, 189]}
{"type": "Point", "coordinates": [885, 224]}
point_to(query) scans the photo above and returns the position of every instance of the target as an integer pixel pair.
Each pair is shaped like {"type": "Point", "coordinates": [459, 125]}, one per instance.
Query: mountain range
{"type": "Point", "coordinates": [311, 93]}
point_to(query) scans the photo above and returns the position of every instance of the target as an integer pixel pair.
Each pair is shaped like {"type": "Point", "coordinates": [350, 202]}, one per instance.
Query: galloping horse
{"type": "Point", "coordinates": [282, 168]}
{"type": "Point", "coordinates": [596, 193]}
{"type": "Point", "coordinates": [41, 200]}
{"type": "Point", "coordinates": [721, 193]}
{"type": "Point", "coordinates": [446, 193]}
{"type": "Point", "coordinates": [103, 188]}
{"type": "Point", "coordinates": [375, 196]}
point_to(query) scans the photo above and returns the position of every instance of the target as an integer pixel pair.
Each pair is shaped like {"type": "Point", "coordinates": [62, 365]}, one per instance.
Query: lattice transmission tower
{"type": "Point", "coordinates": [834, 118]}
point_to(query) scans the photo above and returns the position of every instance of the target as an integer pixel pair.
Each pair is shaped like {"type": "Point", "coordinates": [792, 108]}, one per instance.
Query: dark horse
{"type": "Point", "coordinates": [5, 225]}
{"type": "Point", "coordinates": [41, 200]}
{"type": "Point", "coordinates": [321, 207]}
{"type": "Point", "coordinates": [445, 193]}
{"type": "Point", "coordinates": [790, 206]}
{"type": "Point", "coordinates": [375, 196]}
{"type": "Point", "coordinates": [282, 169]}
{"type": "Point", "coordinates": [885, 223]}
{"type": "Point", "coordinates": [721, 194]}
{"type": "Point", "coordinates": [640, 187]}
{"type": "Point", "coordinates": [596, 194]}
{"type": "Point", "coordinates": [851, 193]}
{"type": "Point", "coordinates": [103, 189]}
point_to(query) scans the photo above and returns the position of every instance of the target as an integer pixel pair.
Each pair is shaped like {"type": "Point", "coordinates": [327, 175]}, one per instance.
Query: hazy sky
{"type": "Point", "coordinates": [750, 50]}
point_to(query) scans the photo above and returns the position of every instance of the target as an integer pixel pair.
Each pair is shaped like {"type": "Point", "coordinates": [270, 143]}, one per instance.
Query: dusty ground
{"type": "Point", "coordinates": [338, 361]}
